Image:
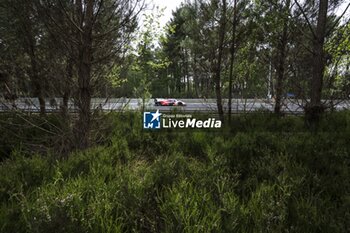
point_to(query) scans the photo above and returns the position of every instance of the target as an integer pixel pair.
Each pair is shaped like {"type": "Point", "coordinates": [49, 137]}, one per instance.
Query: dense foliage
{"type": "Point", "coordinates": [261, 174]}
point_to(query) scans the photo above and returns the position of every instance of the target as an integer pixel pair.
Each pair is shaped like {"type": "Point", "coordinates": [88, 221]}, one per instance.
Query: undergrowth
{"type": "Point", "coordinates": [261, 174]}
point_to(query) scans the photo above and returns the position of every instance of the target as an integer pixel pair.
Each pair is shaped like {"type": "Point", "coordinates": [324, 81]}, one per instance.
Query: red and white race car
{"type": "Point", "coordinates": [169, 102]}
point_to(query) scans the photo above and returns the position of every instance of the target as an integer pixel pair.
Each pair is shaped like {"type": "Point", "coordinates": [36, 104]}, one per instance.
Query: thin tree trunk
{"type": "Point", "coordinates": [66, 91]}
{"type": "Point", "coordinates": [232, 53]}
{"type": "Point", "coordinates": [195, 76]}
{"type": "Point", "coordinates": [280, 70]}
{"type": "Point", "coordinates": [282, 45]}
{"type": "Point", "coordinates": [35, 77]}
{"type": "Point", "coordinates": [31, 51]}
{"type": "Point", "coordinates": [187, 76]}
{"type": "Point", "coordinates": [316, 109]}
{"type": "Point", "coordinates": [179, 88]}
{"type": "Point", "coordinates": [84, 75]}
{"type": "Point", "coordinates": [219, 61]}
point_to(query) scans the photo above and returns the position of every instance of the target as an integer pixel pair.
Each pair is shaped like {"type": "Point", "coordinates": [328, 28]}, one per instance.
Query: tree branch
{"type": "Point", "coordinates": [337, 21]}
{"type": "Point", "coordinates": [306, 18]}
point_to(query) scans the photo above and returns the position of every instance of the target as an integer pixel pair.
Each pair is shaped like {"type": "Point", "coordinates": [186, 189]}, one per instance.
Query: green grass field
{"type": "Point", "coordinates": [260, 174]}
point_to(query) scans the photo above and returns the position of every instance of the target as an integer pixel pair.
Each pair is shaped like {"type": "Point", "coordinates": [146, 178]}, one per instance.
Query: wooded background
{"type": "Point", "coordinates": [210, 48]}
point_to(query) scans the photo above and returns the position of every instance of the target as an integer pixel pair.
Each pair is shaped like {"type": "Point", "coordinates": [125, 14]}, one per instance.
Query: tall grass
{"type": "Point", "coordinates": [268, 175]}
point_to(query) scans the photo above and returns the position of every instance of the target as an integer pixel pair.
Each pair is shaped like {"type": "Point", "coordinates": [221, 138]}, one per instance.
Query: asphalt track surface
{"type": "Point", "coordinates": [292, 106]}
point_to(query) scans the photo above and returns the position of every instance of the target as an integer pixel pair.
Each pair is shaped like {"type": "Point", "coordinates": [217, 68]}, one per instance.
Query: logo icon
{"type": "Point", "coordinates": [151, 120]}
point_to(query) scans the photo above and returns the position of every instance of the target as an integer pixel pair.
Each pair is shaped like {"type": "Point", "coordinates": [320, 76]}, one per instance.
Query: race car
{"type": "Point", "coordinates": [169, 102]}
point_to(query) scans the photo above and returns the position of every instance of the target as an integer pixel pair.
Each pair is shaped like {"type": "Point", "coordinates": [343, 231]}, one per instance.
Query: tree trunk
{"type": "Point", "coordinates": [219, 61]}
{"type": "Point", "coordinates": [66, 91]}
{"type": "Point", "coordinates": [195, 77]}
{"type": "Point", "coordinates": [280, 70]}
{"type": "Point", "coordinates": [35, 77]}
{"type": "Point", "coordinates": [179, 73]}
{"type": "Point", "coordinates": [187, 74]}
{"type": "Point", "coordinates": [34, 73]}
{"type": "Point", "coordinates": [315, 109]}
{"type": "Point", "coordinates": [232, 53]}
{"type": "Point", "coordinates": [282, 45]}
{"type": "Point", "coordinates": [84, 75]}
